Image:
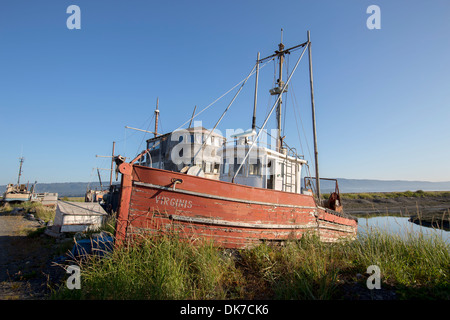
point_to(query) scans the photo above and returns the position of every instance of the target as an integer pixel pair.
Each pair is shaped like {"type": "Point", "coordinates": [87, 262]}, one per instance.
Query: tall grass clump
{"type": "Point", "coordinates": [311, 272]}
{"type": "Point", "coordinates": [166, 267]}
{"type": "Point", "coordinates": [162, 267]}
{"type": "Point", "coordinates": [300, 269]}
{"type": "Point", "coordinates": [416, 264]}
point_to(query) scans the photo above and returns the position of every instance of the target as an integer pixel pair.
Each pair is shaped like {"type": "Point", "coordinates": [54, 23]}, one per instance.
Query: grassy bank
{"type": "Point", "coordinates": [166, 268]}
{"type": "Point", "coordinates": [45, 213]}
{"type": "Point", "coordinates": [395, 195]}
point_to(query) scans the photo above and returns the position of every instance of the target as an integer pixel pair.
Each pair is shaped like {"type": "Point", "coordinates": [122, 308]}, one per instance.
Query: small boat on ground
{"type": "Point", "coordinates": [18, 192]}
{"type": "Point", "coordinates": [258, 198]}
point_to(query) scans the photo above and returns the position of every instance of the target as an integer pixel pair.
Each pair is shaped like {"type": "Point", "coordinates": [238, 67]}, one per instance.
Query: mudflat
{"type": "Point", "coordinates": [428, 208]}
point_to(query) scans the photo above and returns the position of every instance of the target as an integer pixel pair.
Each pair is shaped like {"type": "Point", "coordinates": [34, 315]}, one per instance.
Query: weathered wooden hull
{"type": "Point", "coordinates": [231, 215]}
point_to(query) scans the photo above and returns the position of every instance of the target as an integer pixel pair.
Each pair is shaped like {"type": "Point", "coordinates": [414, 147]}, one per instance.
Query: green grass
{"type": "Point", "coordinates": [393, 195]}
{"type": "Point", "coordinates": [44, 213]}
{"type": "Point", "coordinates": [73, 199]}
{"type": "Point", "coordinates": [416, 266]}
{"type": "Point", "coordinates": [157, 268]}
{"type": "Point", "coordinates": [167, 268]}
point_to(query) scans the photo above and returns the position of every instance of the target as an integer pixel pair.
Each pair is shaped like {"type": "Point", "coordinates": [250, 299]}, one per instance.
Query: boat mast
{"type": "Point", "coordinates": [278, 90]}
{"type": "Point", "coordinates": [313, 117]}
{"type": "Point", "coordinates": [20, 170]}
{"type": "Point", "coordinates": [273, 92]}
{"type": "Point", "coordinates": [112, 164]}
{"type": "Point", "coordinates": [193, 114]}
{"type": "Point", "coordinates": [256, 94]}
{"type": "Point", "coordinates": [156, 117]}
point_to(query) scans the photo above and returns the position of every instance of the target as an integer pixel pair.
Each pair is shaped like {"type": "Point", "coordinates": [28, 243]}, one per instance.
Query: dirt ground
{"type": "Point", "coordinates": [26, 270]}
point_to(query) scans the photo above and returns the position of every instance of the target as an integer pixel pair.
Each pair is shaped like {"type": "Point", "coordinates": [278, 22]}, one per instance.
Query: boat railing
{"type": "Point", "coordinates": [290, 152]}
{"type": "Point", "coordinates": [334, 200]}
{"type": "Point", "coordinates": [309, 181]}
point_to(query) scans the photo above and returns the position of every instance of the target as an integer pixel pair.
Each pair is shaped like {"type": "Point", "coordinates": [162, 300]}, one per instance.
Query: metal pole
{"type": "Point", "coordinates": [112, 164]}
{"type": "Point", "coordinates": [313, 118]}
{"type": "Point", "coordinates": [100, 179]}
{"type": "Point", "coordinates": [256, 94]}
{"type": "Point", "coordinates": [193, 114]}
{"type": "Point", "coordinates": [127, 127]}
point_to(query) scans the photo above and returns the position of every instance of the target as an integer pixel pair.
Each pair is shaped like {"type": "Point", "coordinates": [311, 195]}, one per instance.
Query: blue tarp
{"type": "Point", "coordinates": [99, 245]}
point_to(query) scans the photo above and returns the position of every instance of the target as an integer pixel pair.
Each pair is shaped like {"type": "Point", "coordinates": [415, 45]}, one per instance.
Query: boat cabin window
{"type": "Point", "coordinates": [254, 169]}
{"type": "Point", "coordinates": [236, 167]}
{"type": "Point", "coordinates": [207, 167]}
{"type": "Point", "coordinates": [269, 174]}
{"type": "Point", "coordinates": [226, 166]}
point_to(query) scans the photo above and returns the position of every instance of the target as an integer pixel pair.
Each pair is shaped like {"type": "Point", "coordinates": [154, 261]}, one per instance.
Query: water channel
{"type": "Point", "coordinates": [399, 226]}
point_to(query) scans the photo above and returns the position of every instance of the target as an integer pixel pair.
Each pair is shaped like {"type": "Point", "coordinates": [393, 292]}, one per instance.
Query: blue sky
{"type": "Point", "coordinates": [382, 96]}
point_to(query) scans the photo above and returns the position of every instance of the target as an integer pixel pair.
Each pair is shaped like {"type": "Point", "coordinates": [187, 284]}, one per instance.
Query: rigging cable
{"type": "Point", "coordinates": [223, 114]}
{"type": "Point", "coordinates": [304, 133]}
{"type": "Point", "coordinates": [145, 134]}
{"type": "Point", "coordinates": [267, 118]}
{"type": "Point", "coordinates": [223, 95]}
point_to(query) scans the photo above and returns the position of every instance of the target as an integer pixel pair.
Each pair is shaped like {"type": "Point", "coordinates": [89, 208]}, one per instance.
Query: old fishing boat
{"type": "Point", "coordinates": [258, 197]}
{"type": "Point", "coordinates": [18, 192]}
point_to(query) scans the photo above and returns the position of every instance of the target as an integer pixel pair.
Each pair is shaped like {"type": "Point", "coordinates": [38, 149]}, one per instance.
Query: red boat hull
{"type": "Point", "coordinates": [232, 215]}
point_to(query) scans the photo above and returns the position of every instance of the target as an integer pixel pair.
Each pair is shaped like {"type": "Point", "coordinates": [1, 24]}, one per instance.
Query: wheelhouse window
{"type": "Point", "coordinates": [226, 166]}
{"type": "Point", "coordinates": [237, 165]}
{"type": "Point", "coordinates": [254, 169]}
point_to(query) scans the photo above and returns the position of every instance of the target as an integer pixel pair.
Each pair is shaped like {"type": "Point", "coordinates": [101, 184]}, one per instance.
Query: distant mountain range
{"type": "Point", "coordinates": [64, 189]}
{"type": "Point", "coordinates": [78, 189]}
{"type": "Point", "coordinates": [366, 185]}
